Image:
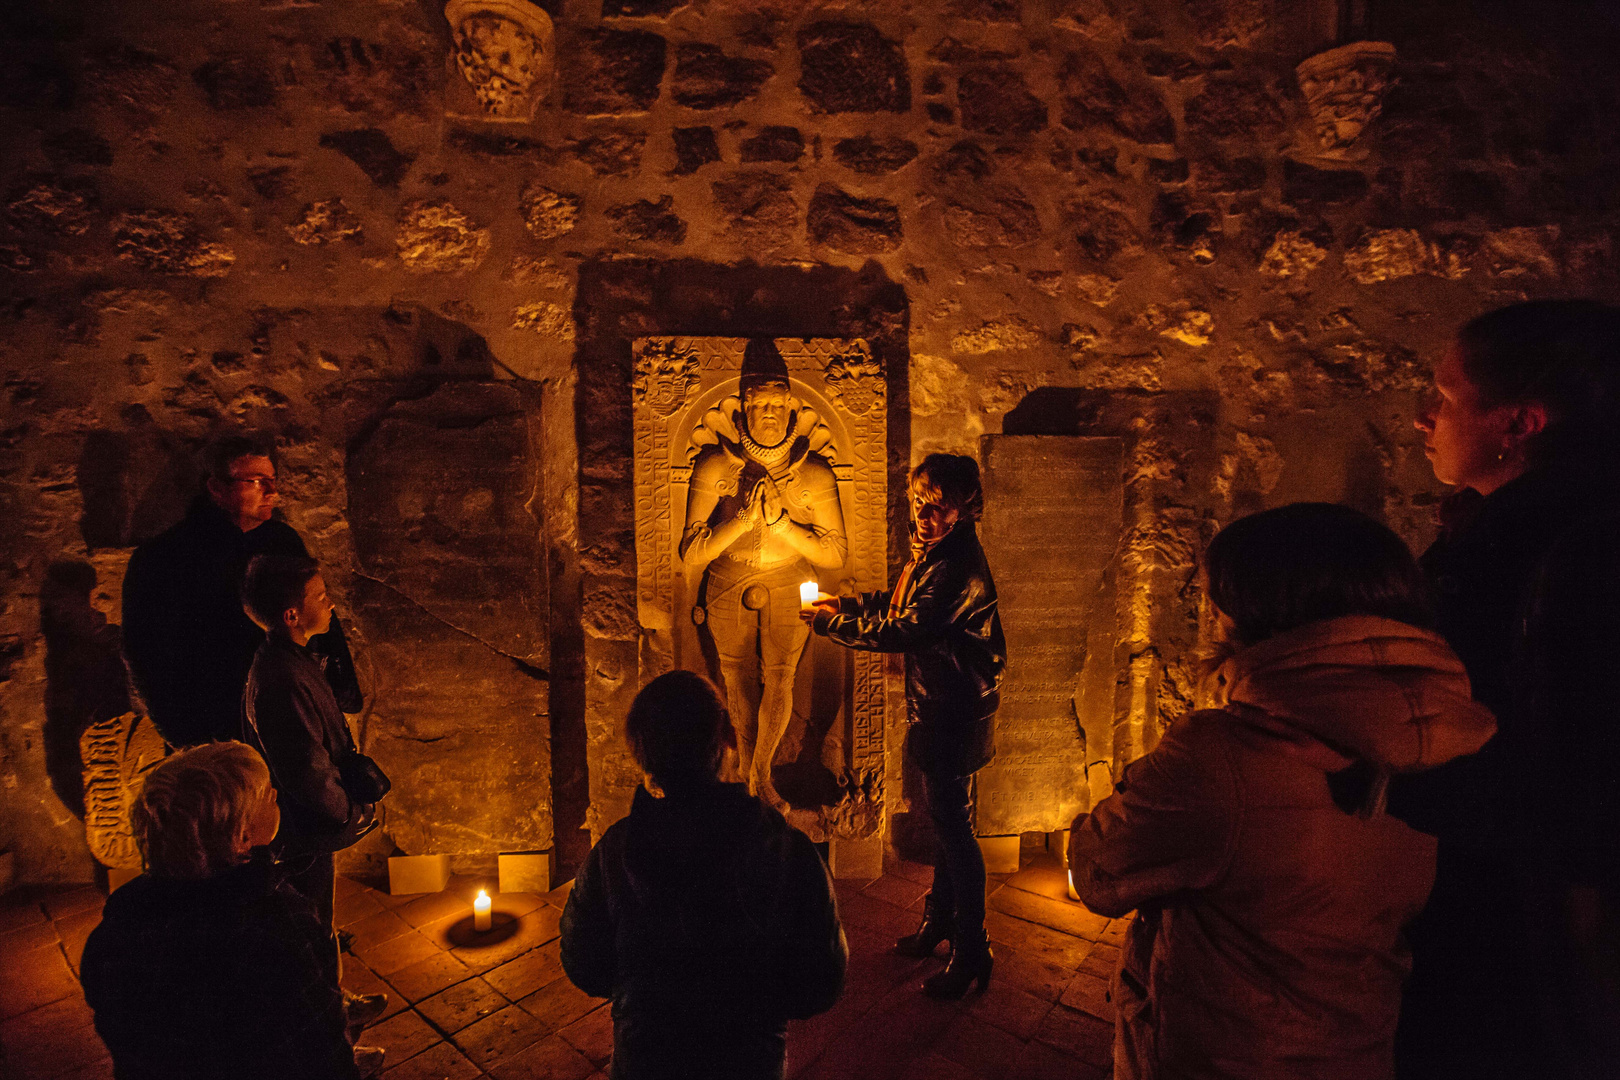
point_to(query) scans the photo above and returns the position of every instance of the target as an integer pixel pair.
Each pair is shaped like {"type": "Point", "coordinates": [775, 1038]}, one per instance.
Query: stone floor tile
{"type": "Point", "coordinates": [344, 885]}
{"type": "Point", "coordinates": [558, 1004]}
{"type": "Point", "coordinates": [921, 873]}
{"type": "Point", "coordinates": [1102, 961]}
{"type": "Point", "coordinates": [1043, 875]}
{"type": "Point", "coordinates": [549, 1059]}
{"type": "Point", "coordinates": [50, 1040]}
{"type": "Point", "coordinates": [1034, 976]}
{"type": "Point", "coordinates": [896, 890]}
{"type": "Point", "coordinates": [498, 1036]}
{"type": "Point", "coordinates": [534, 929]}
{"type": "Point", "coordinates": [357, 905]}
{"type": "Point", "coordinates": [74, 930]}
{"type": "Point", "coordinates": [441, 1061]}
{"type": "Point", "coordinates": [431, 907]}
{"type": "Point", "coordinates": [461, 1005]}
{"type": "Point", "coordinates": [592, 1035]}
{"type": "Point", "coordinates": [1078, 1035]}
{"type": "Point", "coordinates": [34, 978]}
{"type": "Point", "coordinates": [34, 935]}
{"type": "Point", "coordinates": [982, 1049]}
{"type": "Point", "coordinates": [517, 903]}
{"type": "Point", "coordinates": [1069, 916]}
{"type": "Point", "coordinates": [61, 903]}
{"type": "Point", "coordinates": [427, 977]}
{"type": "Point", "coordinates": [904, 1026]}
{"type": "Point", "coordinates": [402, 1035]}
{"type": "Point", "coordinates": [1115, 934]}
{"type": "Point", "coordinates": [1038, 1061]}
{"type": "Point", "coordinates": [1009, 1007]}
{"type": "Point", "coordinates": [377, 928]}
{"type": "Point", "coordinates": [19, 910]}
{"type": "Point", "coordinates": [396, 954]}
{"type": "Point", "coordinates": [1089, 994]}
{"type": "Point", "coordinates": [559, 896]}
{"type": "Point", "coordinates": [1054, 947]}
{"type": "Point", "coordinates": [359, 979]}
{"type": "Point", "coordinates": [886, 920]}
{"type": "Point", "coordinates": [937, 1067]}
{"type": "Point", "coordinates": [521, 977]}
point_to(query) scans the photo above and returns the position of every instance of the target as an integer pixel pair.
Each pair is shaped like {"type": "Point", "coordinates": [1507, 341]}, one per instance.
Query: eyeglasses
{"type": "Point", "coordinates": [263, 483]}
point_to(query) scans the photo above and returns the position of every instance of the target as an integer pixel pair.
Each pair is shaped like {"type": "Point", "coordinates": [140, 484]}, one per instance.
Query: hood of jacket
{"type": "Point", "coordinates": [1359, 688]}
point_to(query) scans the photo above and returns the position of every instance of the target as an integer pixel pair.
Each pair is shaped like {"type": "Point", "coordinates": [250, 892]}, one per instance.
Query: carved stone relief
{"type": "Point", "coordinates": [505, 50]}
{"type": "Point", "coordinates": [117, 753]}
{"type": "Point", "coordinates": [689, 409]}
{"type": "Point", "coordinates": [1344, 88]}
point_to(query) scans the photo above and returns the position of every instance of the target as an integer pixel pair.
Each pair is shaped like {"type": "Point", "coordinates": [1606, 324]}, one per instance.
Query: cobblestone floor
{"type": "Point", "coordinates": [508, 1012]}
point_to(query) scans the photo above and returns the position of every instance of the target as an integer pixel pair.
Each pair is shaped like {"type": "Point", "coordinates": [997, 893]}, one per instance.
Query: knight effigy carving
{"type": "Point", "coordinates": [762, 516]}
{"type": "Point", "coordinates": [761, 466]}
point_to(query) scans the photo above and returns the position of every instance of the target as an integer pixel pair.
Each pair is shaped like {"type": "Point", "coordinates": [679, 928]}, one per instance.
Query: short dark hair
{"type": "Point", "coordinates": [677, 728]}
{"type": "Point", "coordinates": [274, 583]}
{"type": "Point", "coordinates": [228, 449]}
{"type": "Point", "coordinates": [1564, 354]}
{"type": "Point", "coordinates": [1280, 569]}
{"type": "Point", "coordinates": [953, 479]}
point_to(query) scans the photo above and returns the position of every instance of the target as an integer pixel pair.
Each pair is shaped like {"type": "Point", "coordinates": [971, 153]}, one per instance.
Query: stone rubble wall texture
{"type": "Point", "coordinates": [1077, 217]}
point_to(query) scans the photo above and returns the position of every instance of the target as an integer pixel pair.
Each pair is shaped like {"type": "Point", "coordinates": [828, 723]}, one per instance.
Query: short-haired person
{"type": "Point", "coordinates": [206, 966]}
{"type": "Point", "coordinates": [1511, 975]}
{"type": "Point", "coordinates": [707, 919]}
{"type": "Point", "coordinates": [188, 644]}
{"type": "Point", "coordinates": [942, 615]}
{"type": "Point", "coordinates": [1271, 888]}
{"type": "Point", "coordinates": [288, 713]}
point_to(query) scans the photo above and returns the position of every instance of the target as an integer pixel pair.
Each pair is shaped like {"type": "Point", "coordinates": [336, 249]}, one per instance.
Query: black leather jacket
{"type": "Point", "coordinates": [950, 631]}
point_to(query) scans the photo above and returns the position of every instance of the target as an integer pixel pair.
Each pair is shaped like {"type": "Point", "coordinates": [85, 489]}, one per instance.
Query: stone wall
{"type": "Point", "coordinates": [1076, 217]}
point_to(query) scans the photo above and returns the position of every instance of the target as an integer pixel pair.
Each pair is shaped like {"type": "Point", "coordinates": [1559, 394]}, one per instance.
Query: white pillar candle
{"type": "Point", "coordinates": [808, 593]}
{"type": "Point", "coordinates": [481, 911]}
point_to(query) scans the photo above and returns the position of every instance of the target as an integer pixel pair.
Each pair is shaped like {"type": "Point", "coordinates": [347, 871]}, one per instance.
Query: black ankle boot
{"type": "Point", "coordinates": [937, 926]}
{"type": "Point", "coordinates": [970, 963]}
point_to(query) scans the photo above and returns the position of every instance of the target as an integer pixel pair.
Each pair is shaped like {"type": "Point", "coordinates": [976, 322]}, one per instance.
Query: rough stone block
{"type": "Point", "coordinates": [855, 858]}
{"type": "Point", "coordinates": [612, 72]}
{"type": "Point", "coordinates": [525, 871]}
{"type": "Point", "coordinates": [649, 220]}
{"type": "Point", "coordinates": [695, 147]}
{"type": "Point", "coordinates": [706, 78]}
{"type": "Point", "coordinates": [774, 143]}
{"type": "Point", "coordinates": [418, 874]}
{"type": "Point", "coordinates": [374, 152]}
{"type": "Point", "coordinates": [857, 226]}
{"type": "Point", "coordinates": [874, 157]}
{"type": "Point", "coordinates": [758, 207]}
{"type": "Point", "coordinates": [995, 101]}
{"type": "Point", "coordinates": [850, 67]}
{"type": "Point", "coordinates": [1000, 853]}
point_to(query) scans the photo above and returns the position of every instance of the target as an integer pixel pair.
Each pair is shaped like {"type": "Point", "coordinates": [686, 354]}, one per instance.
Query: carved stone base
{"type": "Point", "coordinates": [855, 858]}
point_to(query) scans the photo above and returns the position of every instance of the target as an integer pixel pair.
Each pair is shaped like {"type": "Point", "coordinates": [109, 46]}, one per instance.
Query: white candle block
{"type": "Point", "coordinates": [807, 593]}
{"type": "Point", "coordinates": [481, 911]}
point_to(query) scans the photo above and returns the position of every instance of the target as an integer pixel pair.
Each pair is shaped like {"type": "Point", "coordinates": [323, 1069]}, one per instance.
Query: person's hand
{"type": "Point", "coordinates": [822, 602]}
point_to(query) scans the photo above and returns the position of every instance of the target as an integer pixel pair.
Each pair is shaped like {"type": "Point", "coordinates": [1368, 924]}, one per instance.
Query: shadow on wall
{"type": "Point", "coordinates": [85, 679]}
{"type": "Point", "coordinates": [135, 482]}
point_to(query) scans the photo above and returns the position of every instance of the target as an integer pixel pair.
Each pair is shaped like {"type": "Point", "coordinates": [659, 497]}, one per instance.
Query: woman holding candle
{"type": "Point", "coordinates": [942, 615]}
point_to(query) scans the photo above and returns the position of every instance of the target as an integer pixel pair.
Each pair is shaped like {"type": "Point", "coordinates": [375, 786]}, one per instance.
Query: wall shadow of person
{"type": "Point", "coordinates": [85, 677]}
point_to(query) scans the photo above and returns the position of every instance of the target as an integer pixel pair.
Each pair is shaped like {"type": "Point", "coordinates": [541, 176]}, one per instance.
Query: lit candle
{"type": "Point", "coordinates": [481, 911]}
{"type": "Point", "coordinates": [808, 593]}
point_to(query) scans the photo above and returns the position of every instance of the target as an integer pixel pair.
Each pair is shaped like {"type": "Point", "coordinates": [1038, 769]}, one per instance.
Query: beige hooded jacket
{"type": "Point", "coordinates": [1269, 936]}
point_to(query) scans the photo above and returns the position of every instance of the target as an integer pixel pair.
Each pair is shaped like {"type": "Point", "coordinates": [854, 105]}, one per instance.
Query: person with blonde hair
{"type": "Point", "coordinates": [207, 965]}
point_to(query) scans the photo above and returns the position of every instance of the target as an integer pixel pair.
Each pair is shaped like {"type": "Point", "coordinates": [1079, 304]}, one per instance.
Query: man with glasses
{"type": "Point", "coordinates": [187, 640]}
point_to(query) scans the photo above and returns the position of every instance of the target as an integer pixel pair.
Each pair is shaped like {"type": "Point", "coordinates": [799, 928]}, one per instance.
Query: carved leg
{"type": "Point", "coordinates": [736, 640]}
{"type": "Point", "coordinates": [781, 646]}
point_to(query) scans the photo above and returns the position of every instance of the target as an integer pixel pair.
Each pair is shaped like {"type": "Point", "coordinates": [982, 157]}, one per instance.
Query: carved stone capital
{"type": "Point", "coordinates": [506, 51]}
{"type": "Point", "coordinates": [1344, 88]}
{"type": "Point", "coordinates": [855, 379]}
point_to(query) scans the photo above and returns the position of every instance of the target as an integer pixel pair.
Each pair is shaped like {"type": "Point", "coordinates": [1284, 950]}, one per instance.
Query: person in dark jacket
{"type": "Point", "coordinates": [942, 615]}
{"type": "Point", "coordinates": [188, 644]}
{"type": "Point", "coordinates": [1270, 887]}
{"type": "Point", "coordinates": [1525, 424]}
{"type": "Point", "coordinates": [288, 713]}
{"type": "Point", "coordinates": [207, 966]}
{"type": "Point", "coordinates": [707, 919]}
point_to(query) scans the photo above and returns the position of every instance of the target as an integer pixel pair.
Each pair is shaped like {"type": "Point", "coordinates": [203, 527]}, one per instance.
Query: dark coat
{"type": "Point", "coordinates": [1268, 944]}
{"type": "Point", "coordinates": [187, 640]}
{"type": "Point", "coordinates": [710, 922]}
{"type": "Point", "coordinates": [231, 978]}
{"type": "Point", "coordinates": [950, 630]}
{"type": "Point", "coordinates": [1483, 997]}
{"type": "Point", "coordinates": [289, 715]}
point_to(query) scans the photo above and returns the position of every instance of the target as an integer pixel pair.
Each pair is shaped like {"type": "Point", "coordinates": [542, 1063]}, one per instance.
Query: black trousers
{"type": "Point", "coordinates": [313, 877]}
{"type": "Point", "coordinates": [958, 862]}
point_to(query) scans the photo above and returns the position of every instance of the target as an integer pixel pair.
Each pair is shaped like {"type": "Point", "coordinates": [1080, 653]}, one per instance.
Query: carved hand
{"type": "Point", "coordinates": [770, 500]}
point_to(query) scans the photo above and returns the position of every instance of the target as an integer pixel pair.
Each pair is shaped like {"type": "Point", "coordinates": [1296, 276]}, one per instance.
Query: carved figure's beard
{"type": "Point", "coordinates": [767, 455]}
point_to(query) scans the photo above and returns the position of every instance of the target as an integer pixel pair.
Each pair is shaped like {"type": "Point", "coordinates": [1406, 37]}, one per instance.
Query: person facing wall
{"type": "Point", "coordinates": [707, 919]}
{"type": "Point", "coordinates": [1271, 889]}
{"type": "Point", "coordinates": [206, 965]}
{"type": "Point", "coordinates": [188, 644]}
